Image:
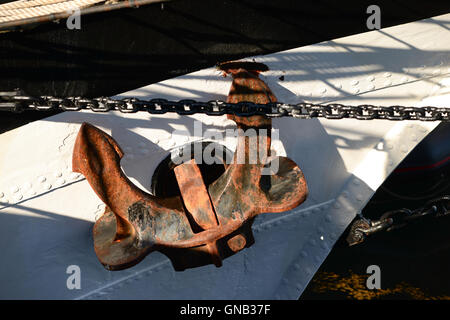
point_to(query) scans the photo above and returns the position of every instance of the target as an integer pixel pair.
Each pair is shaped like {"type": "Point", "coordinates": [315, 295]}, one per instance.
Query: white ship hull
{"type": "Point", "coordinates": [47, 212]}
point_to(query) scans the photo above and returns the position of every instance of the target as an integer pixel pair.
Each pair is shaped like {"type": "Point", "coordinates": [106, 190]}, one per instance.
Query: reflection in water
{"type": "Point", "coordinates": [353, 286]}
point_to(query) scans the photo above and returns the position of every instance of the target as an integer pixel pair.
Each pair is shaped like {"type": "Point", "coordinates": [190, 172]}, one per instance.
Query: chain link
{"type": "Point", "coordinates": [396, 219]}
{"type": "Point", "coordinates": [16, 101]}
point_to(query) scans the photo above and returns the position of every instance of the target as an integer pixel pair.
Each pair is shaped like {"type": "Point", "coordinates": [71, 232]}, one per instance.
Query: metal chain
{"type": "Point", "coordinates": [396, 219]}
{"type": "Point", "coordinates": [16, 101]}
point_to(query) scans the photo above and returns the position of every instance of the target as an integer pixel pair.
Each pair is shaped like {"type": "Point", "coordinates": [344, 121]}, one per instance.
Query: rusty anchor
{"type": "Point", "coordinates": [203, 224]}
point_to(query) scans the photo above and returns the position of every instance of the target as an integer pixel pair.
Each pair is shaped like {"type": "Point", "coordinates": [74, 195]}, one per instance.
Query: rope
{"type": "Point", "coordinates": [27, 4]}
{"type": "Point", "coordinates": [21, 9]}
{"type": "Point", "coordinates": [13, 19]}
